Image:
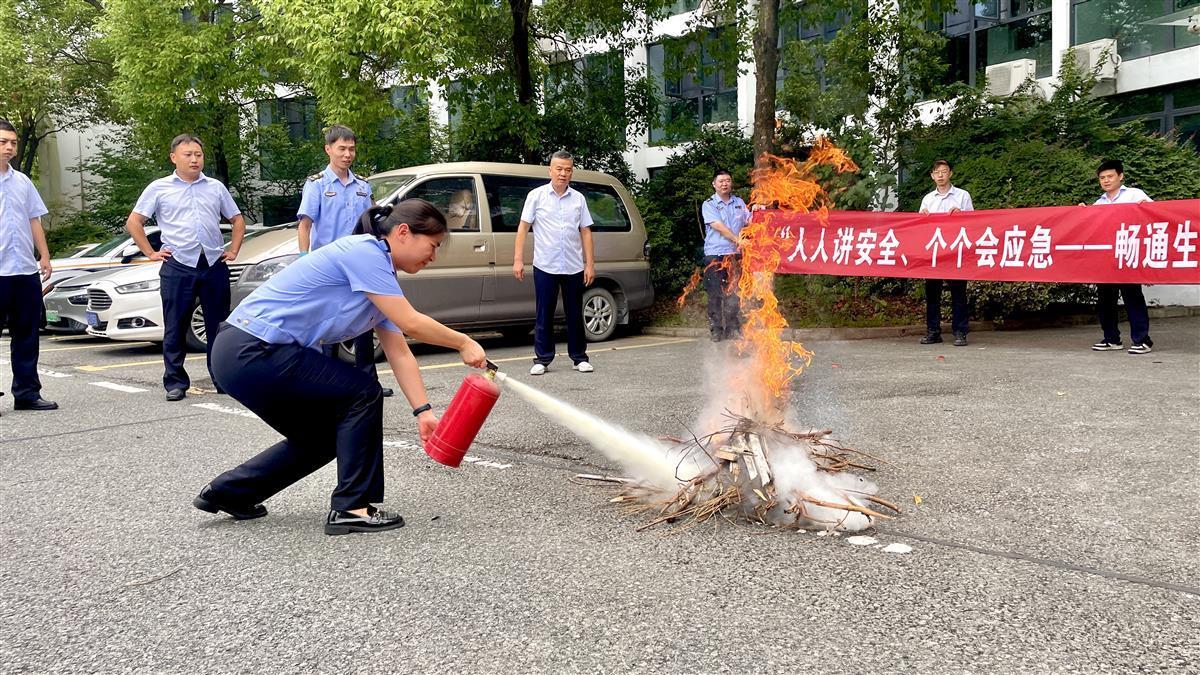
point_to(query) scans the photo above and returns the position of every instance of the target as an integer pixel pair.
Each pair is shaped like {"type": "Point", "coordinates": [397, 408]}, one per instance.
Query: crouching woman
{"type": "Point", "coordinates": [268, 357]}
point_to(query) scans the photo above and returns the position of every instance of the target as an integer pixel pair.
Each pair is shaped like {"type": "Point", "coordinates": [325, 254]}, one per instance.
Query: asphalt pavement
{"type": "Point", "coordinates": [1056, 529]}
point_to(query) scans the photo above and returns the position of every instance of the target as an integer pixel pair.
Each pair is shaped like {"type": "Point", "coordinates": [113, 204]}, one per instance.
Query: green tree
{"type": "Point", "coordinates": [491, 58]}
{"type": "Point", "coordinates": [55, 71]}
{"type": "Point", "coordinates": [199, 66]}
{"type": "Point", "coordinates": [880, 65]}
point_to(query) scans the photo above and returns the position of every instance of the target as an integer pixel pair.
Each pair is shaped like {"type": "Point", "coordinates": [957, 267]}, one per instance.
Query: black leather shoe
{"type": "Point", "coordinates": [932, 339]}
{"type": "Point", "coordinates": [376, 520]}
{"type": "Point", "coordinates": [387, 391]}
{"type": "Point", "coordinates": [960, 339]}
{"type": "Point", "coordinates": [206, 501]}
{"type": "Point", "coordinates": [176, 394]}
{"type": "Point", "coordinates": [35, 404]}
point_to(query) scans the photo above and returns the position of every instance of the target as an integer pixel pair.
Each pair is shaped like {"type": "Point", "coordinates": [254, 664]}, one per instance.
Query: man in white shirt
{"type": "Point", "coordinates": [945, 198]}
{"type": "Point", "coordinates": [21, 274]}
{"type": "Point", "coordinates": [562, 261]}
{"type": "Point", "coordinates": [1111, 175]}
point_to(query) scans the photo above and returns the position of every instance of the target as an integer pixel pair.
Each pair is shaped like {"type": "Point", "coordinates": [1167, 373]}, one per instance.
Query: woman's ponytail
{"type": "Point", "coordinates": [372, 221]}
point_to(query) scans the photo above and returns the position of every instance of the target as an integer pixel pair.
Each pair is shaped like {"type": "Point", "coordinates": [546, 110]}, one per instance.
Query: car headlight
{"type": "Point", "coordinates": [268, 268]}
{"type": "Point", "coordinates": [139, 286]}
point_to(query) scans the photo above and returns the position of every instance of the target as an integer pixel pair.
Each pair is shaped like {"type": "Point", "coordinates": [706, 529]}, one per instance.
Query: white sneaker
{"type": "Point", "coordinates": [538, 369]}
{"type": "Point", "coordinates": [584, 367]}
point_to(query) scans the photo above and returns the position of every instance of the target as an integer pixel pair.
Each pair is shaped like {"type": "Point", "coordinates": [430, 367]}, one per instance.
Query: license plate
{"type": "Point", "coordinates": [52, 316]}
{"type": "Point", "coordinates": [93, 319]}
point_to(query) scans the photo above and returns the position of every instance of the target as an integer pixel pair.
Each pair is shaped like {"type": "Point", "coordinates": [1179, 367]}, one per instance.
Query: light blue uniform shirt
{"type": "Point", "coordinates": [333, 206]}
{"type": "Point", "coordinates": [936, 202]}
{"type": "Point", "coordinates": [1125, 195]}
{"type": "Point", "coordinates": [557, 244]}
{"type": "Point", "coordinates": [19, 203]}
{"type": "Point", "coordinates": [321, 298]}
{"type": "Point", "coordinates": [732, 214]}
{"type": "Point", "coordinates": [189, 216]}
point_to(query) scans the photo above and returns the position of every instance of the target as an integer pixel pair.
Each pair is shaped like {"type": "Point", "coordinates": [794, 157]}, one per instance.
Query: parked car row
{"type": "Point", "coordinates": [470, 286]}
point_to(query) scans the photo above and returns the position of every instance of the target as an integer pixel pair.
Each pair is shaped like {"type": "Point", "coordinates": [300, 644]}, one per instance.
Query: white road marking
{"type": "Point", "coordinates": [470, 459]}
{"type": "Point", "coordinates": [228, 410]}
{"type": "Point", "coordinates": [117, 387]}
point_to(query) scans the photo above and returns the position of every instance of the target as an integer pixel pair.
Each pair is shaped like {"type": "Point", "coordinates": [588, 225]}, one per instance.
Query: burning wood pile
{"type": "Point", "coordinates": [764, 474]}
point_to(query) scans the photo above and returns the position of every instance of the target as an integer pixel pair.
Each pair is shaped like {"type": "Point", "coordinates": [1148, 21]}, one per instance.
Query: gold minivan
{"type": "Point", "coordinates": [471, 284]}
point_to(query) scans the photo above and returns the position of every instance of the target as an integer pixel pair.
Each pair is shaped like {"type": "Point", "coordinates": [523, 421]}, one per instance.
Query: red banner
{"type": "Point", "coordinates": [1148, 243]}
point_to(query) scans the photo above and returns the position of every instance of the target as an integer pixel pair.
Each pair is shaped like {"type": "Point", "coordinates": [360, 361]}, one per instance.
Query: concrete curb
{"type": "Point", "coordinates": [886, 332]}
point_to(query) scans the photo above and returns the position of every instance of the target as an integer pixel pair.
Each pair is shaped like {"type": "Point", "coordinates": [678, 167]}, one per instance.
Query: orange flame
{"type": "Point", "coordinates": [784, 185]}
{"type": "Point", "coordinates": [689, 287]}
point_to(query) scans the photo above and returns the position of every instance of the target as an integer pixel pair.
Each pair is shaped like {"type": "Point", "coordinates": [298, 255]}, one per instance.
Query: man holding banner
{"type": "Point", "coordinates": [945, 198]}
{"type": "Point", "coordinates": [1111, 175]}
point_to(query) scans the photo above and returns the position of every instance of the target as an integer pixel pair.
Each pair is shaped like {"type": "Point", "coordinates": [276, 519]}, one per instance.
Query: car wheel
{"type": "Point", "coordinates": [599, 314]}
{"type": "Point", "coordinates": [345, 350]}
{"type": "Point", "coordinates": [197, 333]}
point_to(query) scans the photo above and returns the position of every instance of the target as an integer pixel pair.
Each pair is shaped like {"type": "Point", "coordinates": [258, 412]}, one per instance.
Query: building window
{"type": "Point", "coordinates": [984, 33]}
{"type": "Point", "coordinates": [1167, 109]}
{"type": "Point", "coordinates": [683, 6]}
{"type": "Point", "coordinates": [1130, 22]}
{"type": "Point", "coordinates": [699, 84]}
{"type": "Point", "coordinates": [794, 31]}
{"type": "Point", "coordinates": [298, 119]}
{"type": "Point", "coordinates": [595, 81]}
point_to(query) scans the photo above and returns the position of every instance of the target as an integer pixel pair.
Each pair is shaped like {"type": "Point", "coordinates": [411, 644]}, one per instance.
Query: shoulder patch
{"type": "Point", "coordinates": [315, 177]}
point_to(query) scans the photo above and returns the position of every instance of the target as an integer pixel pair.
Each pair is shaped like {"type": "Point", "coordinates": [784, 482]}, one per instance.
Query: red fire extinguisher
{"type": "Point", "coordinates": [464, 416]}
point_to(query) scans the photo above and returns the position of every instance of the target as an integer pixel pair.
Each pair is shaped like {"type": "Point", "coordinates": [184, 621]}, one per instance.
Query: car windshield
{"type": "Point", "coordinates": [107, 247]}
{"type": "Point", "coordinates": [384, 186]}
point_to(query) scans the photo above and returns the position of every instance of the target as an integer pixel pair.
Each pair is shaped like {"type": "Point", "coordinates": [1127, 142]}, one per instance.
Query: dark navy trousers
{"type": "Point", "coordinates": [325, 410]}
{"type": "Point", "coordinates": [21, 312]}
{"type": "Point", "coordinates": [724, 307]}
{"type": "Point", "coordinates": [1135, 307]}
{"type": "Point", "coordinates": [364, 353]}
{"type": "Point", "coordinates": [180, 287]}
{"type": "Point", "coordinates": [958, 305]}
{"type": "Point", "coordinates": [546, 288]}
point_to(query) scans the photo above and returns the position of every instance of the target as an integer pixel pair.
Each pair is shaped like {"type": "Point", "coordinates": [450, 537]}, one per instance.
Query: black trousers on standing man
{"type": "Point", "coordinates": [21, 312]}
{"type": "Point", "coordinates": [958, 306]}
{"type": "Point", "coordinates": [180, 286]}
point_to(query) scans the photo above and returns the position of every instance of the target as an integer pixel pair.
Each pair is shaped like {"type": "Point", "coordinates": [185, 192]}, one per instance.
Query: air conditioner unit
{"type": "Point", "coordinates": [1099, 57]}
{"type": "Point", "coordinates": [1004, 79]}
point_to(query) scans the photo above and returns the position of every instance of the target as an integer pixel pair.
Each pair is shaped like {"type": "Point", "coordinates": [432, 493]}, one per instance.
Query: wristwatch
{"type": "Point", "coordinates": [420, 409]}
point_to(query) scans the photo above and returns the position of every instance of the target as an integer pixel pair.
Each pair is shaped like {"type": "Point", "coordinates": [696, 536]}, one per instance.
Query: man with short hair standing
{"type": "Point", "coordinates": [1111, 176]}
{"type": "Point", "coordinates": [330, 206]}
{"type": "Point", "coordinates": [725, 214]}
{"type": "Point", "coordinates": [188, 207]}
{"type": "Point", "coordinates": [945, 198]}
{"type": "Point", "coordinates": [21, 211]}
{"type": "Point", "coordinates": [563, 261]}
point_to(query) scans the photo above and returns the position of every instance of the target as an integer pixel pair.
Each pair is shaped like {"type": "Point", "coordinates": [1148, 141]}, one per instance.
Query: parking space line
{"type": "Point", "coordinates": [456, 364]}
{"type": "Point", "coordinates": [469, 459]}
{"type": "Point", "coordinates": [131, 364]}
{"type": "Point", "coordinates": [106, 343]}
{"type": "Point", "coordinates": [67, 338]}
{"type": "Point", "coordinates": [117, 387]}
{"type": "Point", "coordinates": [228, 410]}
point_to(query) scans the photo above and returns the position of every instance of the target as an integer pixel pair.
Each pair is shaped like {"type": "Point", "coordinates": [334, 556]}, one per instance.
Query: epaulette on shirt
{"type": "Point", "coordinates": [315, 177]}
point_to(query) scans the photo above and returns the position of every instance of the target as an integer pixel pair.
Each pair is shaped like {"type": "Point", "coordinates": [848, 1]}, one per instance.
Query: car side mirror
{"type": "Point", "coordinates": [130, 252]}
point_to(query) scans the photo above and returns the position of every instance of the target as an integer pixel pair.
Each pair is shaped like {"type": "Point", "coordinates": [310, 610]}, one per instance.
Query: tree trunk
{"type": "Point", "coordinates": [521, 68]}
{"type": "Point", "coordinates": [766, 66]}
{"type": "Point", "coordinates": [27, 143]}
{"type": "Point", "coordinates": [520, 42]}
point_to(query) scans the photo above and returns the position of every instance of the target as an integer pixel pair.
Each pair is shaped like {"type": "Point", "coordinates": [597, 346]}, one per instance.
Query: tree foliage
{"type": "Point", "coordinates": [55, 70]}
{"type": "Point", "coordinates": [199, 66]}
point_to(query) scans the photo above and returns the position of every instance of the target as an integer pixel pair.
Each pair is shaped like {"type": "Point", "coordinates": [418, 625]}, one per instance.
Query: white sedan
{"type": "Point", "coordinates": [126, 304]}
